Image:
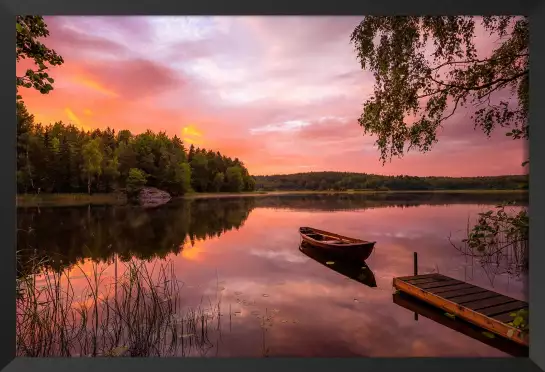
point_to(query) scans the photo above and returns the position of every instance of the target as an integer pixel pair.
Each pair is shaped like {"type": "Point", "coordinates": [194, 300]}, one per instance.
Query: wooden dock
{"type": "Point", "coordinates": [486, 309]}
{"type": "Point", "coordinates": [428, 311]}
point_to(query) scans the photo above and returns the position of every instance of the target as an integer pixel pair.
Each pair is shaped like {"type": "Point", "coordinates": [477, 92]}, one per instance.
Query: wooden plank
{"type": "Point", "coordinates": [450, 288]}
{"type": "Point", "coordinates": [473, 297]}
{"type": "Point", "coordinates": [462, 292]}
{"type": "Point", "coordinates": [512, 306]}
{"type": "Point", "coordinates": [442, 283]}
{"type": "Point", "coordinates": [422, 280]}
{"type": "Point", "coordinates": [489, 302]}
{"type": "Point", "coordinates": [412, 277]}
{"type": "Point", "coordinates": [504, 317]}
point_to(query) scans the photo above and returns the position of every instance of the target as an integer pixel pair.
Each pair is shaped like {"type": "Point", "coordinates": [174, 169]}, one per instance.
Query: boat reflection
{"type": "Point", "coordinates": [418, 307]}
{"type": "Point", "coordinates": [352, 269]}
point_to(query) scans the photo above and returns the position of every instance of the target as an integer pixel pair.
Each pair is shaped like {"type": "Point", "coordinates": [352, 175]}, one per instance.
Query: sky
{"type": "Point", "coordinates": [283, 94]}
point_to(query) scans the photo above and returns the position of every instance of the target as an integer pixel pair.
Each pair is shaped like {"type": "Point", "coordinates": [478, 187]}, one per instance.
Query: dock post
{"type": "Point", "coordinates": [415, 270]}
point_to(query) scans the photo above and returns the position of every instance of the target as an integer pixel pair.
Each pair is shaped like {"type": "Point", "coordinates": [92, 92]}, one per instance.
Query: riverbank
{"type": "Point", "coordinates": [32, 200]}
{"type": "Point", "coordinates": [69, 200]}
{"type": "Point", "coordinates": [349, 192]}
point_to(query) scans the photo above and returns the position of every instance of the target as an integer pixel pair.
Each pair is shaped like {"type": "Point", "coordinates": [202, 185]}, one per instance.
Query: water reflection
{"type": "Point", "coordinates": [357, 271]}
{"type": "Point", "coordinates": [275, 299]}
{"type": "Point", "coordinates": [70, 235]}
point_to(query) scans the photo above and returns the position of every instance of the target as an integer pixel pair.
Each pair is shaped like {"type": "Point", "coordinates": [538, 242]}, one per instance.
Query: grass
{"type": "Point", "coordinates": [33, 200]}
{"type": "Point", "coordinates": [141, 317]}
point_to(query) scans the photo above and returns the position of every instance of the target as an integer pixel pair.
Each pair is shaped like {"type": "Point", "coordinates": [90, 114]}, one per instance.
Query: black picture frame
{"type": "Point", "coordinates": [534, 9]}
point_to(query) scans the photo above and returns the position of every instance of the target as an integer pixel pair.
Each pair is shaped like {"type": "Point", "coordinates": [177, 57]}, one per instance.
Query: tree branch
{"type": "Point", "coordinates": [484, 86]}
{"type": "Point", "coordinates": [477, 61]}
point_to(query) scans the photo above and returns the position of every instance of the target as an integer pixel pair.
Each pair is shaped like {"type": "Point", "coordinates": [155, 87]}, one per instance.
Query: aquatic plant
{"type": "Point", "coordinates": [138, 314]}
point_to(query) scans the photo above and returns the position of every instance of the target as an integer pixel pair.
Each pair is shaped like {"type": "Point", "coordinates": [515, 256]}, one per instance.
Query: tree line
{"type": "Point", "coordinates": [340, 181]}
{"type": "Point", "coordinates": [61, 158]}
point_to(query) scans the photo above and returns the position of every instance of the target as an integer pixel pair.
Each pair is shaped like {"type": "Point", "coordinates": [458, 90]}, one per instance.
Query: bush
{"type": "Point", "coordinates": [136, 180]}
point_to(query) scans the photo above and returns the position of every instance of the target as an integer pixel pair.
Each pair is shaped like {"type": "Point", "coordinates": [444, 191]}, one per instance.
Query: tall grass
{"type": "Point", "coordinates": [138, 314]}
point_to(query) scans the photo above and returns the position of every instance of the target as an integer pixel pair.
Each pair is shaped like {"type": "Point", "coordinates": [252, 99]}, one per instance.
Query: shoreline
{"type": "Point", "coordinates": [33, 200]}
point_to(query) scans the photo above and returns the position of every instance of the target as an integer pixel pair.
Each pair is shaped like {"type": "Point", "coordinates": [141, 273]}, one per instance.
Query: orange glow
{"type": "Point", "coordinates": [94, 85]}
{"type": "Point", "coordinates": [189, 133]}
{"type": "Point", "coordinates": [88, 112]}
{"type": "Point", "coordinates": [74, 119]}
{"type": "Point", "coordinates": [193, 252]}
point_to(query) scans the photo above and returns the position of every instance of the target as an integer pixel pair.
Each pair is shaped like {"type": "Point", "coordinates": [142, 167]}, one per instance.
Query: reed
{"type": "Point", "coordinates": [139, 314]}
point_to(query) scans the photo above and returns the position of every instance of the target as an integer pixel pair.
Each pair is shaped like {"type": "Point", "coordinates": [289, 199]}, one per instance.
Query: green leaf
{"type": "Point", "coordinates": [18, 27]}
{"type": "Point", "coordinates": [489, 334]}
{"type": "Point", "coordinates": [330, 263]}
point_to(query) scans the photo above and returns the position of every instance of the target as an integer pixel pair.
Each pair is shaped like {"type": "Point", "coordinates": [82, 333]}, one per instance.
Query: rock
{"type": "Point", "coordinates": [153, 197]}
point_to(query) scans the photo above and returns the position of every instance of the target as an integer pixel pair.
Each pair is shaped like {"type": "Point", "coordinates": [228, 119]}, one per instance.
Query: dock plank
{"type": "Point", "coordinates": [437, 284]}
{"type": "Point", "coordinates": [504, 317]}
{"type": "Point", "coordinates": [462, 292]}
{"type": "Point", "coordinates": [414, 277]}
{"type": "Point", "coordinates": [423, 280]}
{"type": "Point", "coordinates": [486, 303]}
{"type": "Point", "coordinates": [486, 309]}
{"type": "Point", "coordinates": [473, 297]}
{"type": "Point", "coordinates": [512, 306]}
{"type": "Point", "coordinates": [450, 288]}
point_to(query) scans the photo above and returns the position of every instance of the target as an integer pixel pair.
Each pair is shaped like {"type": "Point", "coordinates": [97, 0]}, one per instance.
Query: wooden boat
{"type": "Point", "coordinates": [337, 244]}
{"type": "Point", "coordinates": [352, 269]}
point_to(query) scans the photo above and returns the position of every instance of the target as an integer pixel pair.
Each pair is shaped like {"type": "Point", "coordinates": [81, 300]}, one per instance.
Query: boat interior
{"type": "Point", "coordinates": [326, 239]}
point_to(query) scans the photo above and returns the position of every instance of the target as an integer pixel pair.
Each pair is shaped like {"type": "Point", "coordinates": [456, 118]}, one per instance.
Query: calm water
{"type": "Point", "coordinates": [246, 251]}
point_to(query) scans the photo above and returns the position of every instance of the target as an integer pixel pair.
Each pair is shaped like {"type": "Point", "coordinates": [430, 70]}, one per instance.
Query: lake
{"type": "Point", "coordinates": [242, 256]}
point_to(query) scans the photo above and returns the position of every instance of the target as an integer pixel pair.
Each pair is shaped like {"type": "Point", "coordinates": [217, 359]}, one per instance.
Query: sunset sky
{"type": "Point", "coordinates": [281, 93]}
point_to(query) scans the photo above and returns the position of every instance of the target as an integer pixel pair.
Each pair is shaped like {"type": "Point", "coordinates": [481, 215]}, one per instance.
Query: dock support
{"type": "Point", "coordinates": [415, 270]}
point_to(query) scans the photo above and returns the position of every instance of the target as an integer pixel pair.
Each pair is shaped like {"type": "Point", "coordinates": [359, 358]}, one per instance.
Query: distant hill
{"type": "Point", "coordinates": [363, 181]}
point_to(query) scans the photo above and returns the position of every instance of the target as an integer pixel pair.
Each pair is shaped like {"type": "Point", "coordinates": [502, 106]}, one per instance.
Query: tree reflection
{"type": "Point", "coordinates": [69, 235]}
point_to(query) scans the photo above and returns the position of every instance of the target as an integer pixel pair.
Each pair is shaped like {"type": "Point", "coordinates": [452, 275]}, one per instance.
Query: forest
{"type": "Point", "coordinates": [61, 158]}
{"type": "Point", "coordinates": [340, 181]}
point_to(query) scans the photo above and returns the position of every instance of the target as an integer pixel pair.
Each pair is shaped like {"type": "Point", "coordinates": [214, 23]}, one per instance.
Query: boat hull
{"type": "Point", "coordinates": [352, 249]}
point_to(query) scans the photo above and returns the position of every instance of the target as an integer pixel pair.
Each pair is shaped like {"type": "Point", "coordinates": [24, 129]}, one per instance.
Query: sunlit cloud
{"type": "Point", "coordinates": [94, 85]}
{"type": "Point", "coordinates": [287, 126]}
{"type": "Point", "coordinates": [73, 117]}
{"type": "Point", "coordinates": [192, 135]}
{"type": "Point", "coordinates": [191, 131]}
